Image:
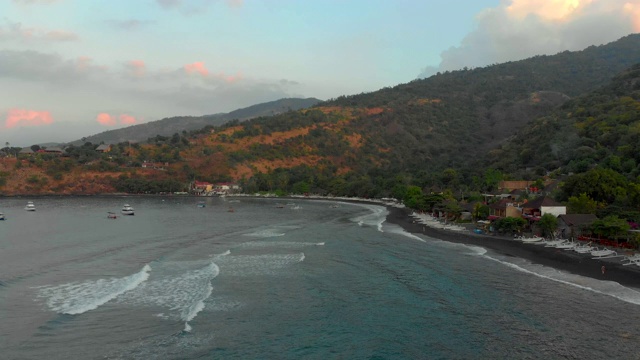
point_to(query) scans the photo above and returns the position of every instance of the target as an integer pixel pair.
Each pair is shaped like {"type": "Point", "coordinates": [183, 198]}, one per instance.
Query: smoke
{"type": "Point", "coordinates": [518, 29]}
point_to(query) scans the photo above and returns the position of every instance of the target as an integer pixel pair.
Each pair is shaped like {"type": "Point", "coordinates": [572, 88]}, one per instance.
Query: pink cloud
{"type": "Point", "coordinates": [127, 119]}
{"type": "Point", "coordinates": [137, 67]}
{"type": "Point", "coordinates": [633, 10]}
{"type": "Point", "coordinates": [230, 79]}
{"type": "Point", "coordinates": [106, 119]}
{"type": "Point", "coordinates": [196, 67]}
{"type": "Point", "coordinates": [22, 117]}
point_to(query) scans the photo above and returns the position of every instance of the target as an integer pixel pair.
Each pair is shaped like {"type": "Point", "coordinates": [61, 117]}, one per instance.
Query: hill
{"type": "Point", "coordinates": [601, 128]}
{"type": "Point", "coordinates": [456, 130]}
{"type": "Point", "coordinates": [176, 124]}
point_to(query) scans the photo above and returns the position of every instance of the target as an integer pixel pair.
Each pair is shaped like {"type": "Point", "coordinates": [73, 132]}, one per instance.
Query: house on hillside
{"type": "Point", "coordinates": [225, 188]}
{"type": "Point", "coordinates": [103, 148]}
{"type": "Point", "coordinates": [52, 150]}
{"type": "Point", "coordinates": [574, 225]}
{"type": "Point", "coordinates": [534, 209]}
{"type": "Point", "coordinates": [202, 188]}
{"type": "Point", "coordinates": [26, 151]}
{"type": "Point", "coordinates": [504, 208]}
{"type": "Point", "coordinates": [515, 185]}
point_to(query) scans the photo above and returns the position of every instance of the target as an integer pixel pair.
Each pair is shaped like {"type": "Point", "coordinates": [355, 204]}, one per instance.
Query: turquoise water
{"type": "Point", "coordinates": [177, 281]}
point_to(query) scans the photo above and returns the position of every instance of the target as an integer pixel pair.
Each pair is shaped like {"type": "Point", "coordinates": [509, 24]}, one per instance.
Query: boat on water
{"type": "Point", "coordinates": [111, 215]}
{"type": "Point", "coordinates": [201, 204]}
{"type": "Point", "coordinates": [127, 210]}
{"type": "Point", "coordinates": [1, 216]}
{"type": "Point", "coordinates": [30, 206]}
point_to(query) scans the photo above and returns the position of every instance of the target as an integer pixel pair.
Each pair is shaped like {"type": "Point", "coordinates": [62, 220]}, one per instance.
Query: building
{"type": "Point", "coordinates": [504, 208]}
{"type": "Point", "coordinates": [543, 205]}
{"type": "Point", "coordinates": [202, 187]}
{"type": "Point", "coordinates": [103, 148]}
{"type": "Point", "coordinates": [575, 225]}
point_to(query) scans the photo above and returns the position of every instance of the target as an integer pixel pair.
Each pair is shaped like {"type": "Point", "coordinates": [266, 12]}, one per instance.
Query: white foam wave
{"type": "Point", "coordinates": [320, 244]}
{"type": "Point", "coordinates": [223, 254]}
{"type": "Point", "coordinates": [78, 298]}
{"type": "Point", "coordinates": [281, 244]}
{"type": "Point", "coordinates": [608, 288]}
{"type": "Point", "coordinates": [376, 217]}
{"type": "Point", "coordinates": [268, 264]}
{"type": "Point", "coordinates": [265, 233]}
{"type": "Point", "coordinates": [177, 287]}
{"type": "Point", "coordinates": [400, 231]}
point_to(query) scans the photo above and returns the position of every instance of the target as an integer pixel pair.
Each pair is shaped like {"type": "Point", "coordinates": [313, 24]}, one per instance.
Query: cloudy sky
{"type": "Point", "coordinates": [73, 68]}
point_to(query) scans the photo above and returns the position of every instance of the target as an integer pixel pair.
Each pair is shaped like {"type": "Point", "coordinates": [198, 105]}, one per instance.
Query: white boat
{"type": "Point", "coordinates": [566, 245]}
{"type": "Point", "coordinates": [583, 249]}
{"type": "Point", "coordinates": [603, 253]}
{"type": "Point", "coordinates": [30, 206]}
{"type": "Point", "coordinates": [1, 216]}
{"type": "Point", "coordinates": [127, 210]}
{"type": "Point", "coordinates": [534, 239]}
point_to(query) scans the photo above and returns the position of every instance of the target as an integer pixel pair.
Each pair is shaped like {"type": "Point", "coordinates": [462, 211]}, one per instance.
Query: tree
{"type": "Point", "coordinates": [491, 179]}
{"type": "Point", "coordinates": [412, 196]}
{"type": "Point", "coordinates": [610, 227]}
{"type": "Point", "coordinates": [480, 211]}
{"type": "Point", "coordinates": [582, 204]}
{"type": "Point", "coordinates": [510, 224]}
{"type": "Point", "coordinates": [548, 224]}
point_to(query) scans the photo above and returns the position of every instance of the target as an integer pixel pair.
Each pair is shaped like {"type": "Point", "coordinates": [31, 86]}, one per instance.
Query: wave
{"type": "Point", "coordinates": [177, 287]}
{"type": "Point", "coordinates": [281, 244]}
{"type": "Point", "coordinates": [78, 298]}
{"type": "Point", "coordinates": [400, 231]}
{"type": "Point", "coordinates": [223, 254]}
{"type": "Point", "coordinates": [376, 217]}
{"type": "Point", "coordinates": [265, 233]}
{"type": "Point", "coordinates": [249, 265]}
{"type": "Point", "coordinates": [608, 288]}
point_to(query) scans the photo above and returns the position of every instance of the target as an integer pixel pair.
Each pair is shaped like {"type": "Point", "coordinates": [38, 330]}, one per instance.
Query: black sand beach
{"type": "Point", "coordinates": [580, 264]}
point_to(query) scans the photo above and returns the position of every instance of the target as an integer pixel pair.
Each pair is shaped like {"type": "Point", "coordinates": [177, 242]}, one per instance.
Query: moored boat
{"type": "Point", "coordinates": [30, 206]}
{"type": "Point", "coordinates": [1, 216]}
{"type": "Point", "coordinates": [127, 210]}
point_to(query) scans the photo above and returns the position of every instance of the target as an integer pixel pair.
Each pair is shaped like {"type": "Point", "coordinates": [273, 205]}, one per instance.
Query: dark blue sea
{"type": "Point", "coordinates": [304, 281]}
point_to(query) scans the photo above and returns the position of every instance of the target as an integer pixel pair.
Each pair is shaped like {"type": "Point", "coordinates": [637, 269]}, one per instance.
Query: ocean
{"type": "Point", "coordinates": [308, 280]}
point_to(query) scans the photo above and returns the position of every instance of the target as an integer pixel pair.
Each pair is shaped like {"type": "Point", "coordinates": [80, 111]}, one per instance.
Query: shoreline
{"type": "Point", "coordinates": [569, 261]}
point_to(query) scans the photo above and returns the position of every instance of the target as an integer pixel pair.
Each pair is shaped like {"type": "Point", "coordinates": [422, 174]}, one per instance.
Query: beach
{"type": "Point", "coordinates": [570, 261]}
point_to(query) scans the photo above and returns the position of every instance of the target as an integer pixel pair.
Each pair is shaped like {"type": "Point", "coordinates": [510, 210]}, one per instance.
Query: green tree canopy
{"type": "Point", "coordinates": [582, 204]}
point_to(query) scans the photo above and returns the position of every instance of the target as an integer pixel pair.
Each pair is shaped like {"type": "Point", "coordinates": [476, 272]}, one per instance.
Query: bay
{"type": "Point", "coordinates": [307, 280]}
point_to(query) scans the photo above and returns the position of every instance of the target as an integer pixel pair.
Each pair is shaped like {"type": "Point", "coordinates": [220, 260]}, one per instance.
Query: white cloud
{"type": "Point", "coordinates": [518, 29]}
{"type": "Point", "coordinates": [17, 32]}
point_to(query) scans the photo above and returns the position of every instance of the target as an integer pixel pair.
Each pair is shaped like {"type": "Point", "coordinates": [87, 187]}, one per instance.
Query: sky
{"type": "Point", "coordinates": [75, 68]}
